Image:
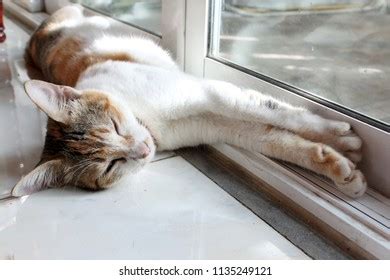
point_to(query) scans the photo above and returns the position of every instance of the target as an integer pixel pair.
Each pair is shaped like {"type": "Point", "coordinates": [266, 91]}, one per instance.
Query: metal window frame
{"type": "Point", "coordinates": [376, 150]}
{"type": "Point", "coordinates": [313, 195]}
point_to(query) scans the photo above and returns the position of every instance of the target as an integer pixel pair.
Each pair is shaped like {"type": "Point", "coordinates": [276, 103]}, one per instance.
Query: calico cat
{"type": "Point", "coordinates": [113, 100]}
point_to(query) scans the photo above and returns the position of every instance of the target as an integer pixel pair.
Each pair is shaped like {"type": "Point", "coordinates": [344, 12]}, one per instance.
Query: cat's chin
{"type": "Point", "coordinates": [139, 164]}
{"type": "Point", "coordinates": [135, 166]}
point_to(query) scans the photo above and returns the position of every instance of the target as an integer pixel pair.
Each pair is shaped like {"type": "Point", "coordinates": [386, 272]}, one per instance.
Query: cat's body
{"type": "Point", "coordinates": [127, 99]}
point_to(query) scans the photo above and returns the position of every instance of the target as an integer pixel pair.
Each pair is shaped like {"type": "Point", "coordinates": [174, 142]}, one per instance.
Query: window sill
{"type": "Point", "coordinates": [360, 226]}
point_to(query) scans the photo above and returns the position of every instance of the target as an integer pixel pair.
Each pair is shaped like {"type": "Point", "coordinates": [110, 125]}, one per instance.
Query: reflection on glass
{"type": "Point", "coordinates": [145, 14]}
{"type": "Point", "coordinates": [339, 50]}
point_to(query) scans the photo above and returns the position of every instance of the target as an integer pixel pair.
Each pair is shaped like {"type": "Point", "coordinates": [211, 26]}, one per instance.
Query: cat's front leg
{"type": "Point", "coordinates": [314, 156]}
{"type": "Point", "coordinates": [268, 140]}
{"type": "Point", "coordinates": [231, 101]}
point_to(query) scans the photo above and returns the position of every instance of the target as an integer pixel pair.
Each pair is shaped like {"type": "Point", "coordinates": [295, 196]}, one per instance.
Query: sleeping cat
{"type": "Point", "coordinates": [113, 100]}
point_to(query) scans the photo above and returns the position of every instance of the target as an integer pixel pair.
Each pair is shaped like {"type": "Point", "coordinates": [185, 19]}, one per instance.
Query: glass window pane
{"type": "Point", "coordinates": [336, 49]}
{"type": "Point", "coordinates": [144, 14]}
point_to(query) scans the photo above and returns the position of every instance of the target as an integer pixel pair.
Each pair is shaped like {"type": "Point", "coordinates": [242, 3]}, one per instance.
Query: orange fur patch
{"type": "Point", "coordinates": [68, 61]}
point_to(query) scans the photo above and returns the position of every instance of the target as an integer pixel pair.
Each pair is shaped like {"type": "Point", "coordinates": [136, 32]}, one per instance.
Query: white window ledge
{"type": "Point", "coordinates": [363, 223]}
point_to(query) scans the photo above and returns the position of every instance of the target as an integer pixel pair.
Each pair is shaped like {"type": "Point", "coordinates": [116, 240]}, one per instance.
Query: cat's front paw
{"type": "Point", "coordinates": [354, 186]}
{"type": "Point", "coordinates": [348, 179]}
{"type": "Point", "coordinates": [341, 170]}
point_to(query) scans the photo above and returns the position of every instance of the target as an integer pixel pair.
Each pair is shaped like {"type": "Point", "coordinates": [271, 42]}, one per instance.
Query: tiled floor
{"type": "Point", "coordinates": [170, 210]}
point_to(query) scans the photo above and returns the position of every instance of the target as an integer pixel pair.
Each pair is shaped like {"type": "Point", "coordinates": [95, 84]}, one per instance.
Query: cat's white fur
{"type": "Point", "coordinates": [181, 110]}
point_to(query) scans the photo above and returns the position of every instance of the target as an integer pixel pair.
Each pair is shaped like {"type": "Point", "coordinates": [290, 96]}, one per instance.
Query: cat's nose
{"type": "Point", "coordinates": [141, 151]}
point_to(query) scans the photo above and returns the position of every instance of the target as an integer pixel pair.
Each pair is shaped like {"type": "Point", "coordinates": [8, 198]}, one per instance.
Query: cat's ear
{"type": "Point", "coordinates": [51, 98]}
{"type": "Point", "coordinates": [42, 177]}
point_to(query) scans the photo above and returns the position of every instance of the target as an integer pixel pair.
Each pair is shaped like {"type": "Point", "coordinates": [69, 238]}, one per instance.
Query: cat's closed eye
{"type": "Point", "coordinates": [113, 163]}
{"type": "Point", "coordinates": [115, 126]}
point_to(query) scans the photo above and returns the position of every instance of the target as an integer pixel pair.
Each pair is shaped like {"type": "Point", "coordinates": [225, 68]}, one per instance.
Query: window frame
{"type": "Point", "coordinates": [313, 195]}
{"type": "Point", "coordinates": [376, 150]}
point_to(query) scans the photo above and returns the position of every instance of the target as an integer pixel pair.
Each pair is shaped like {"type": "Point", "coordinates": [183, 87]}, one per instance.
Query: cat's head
{"type": "Point", "coordinates": [91, 140]}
